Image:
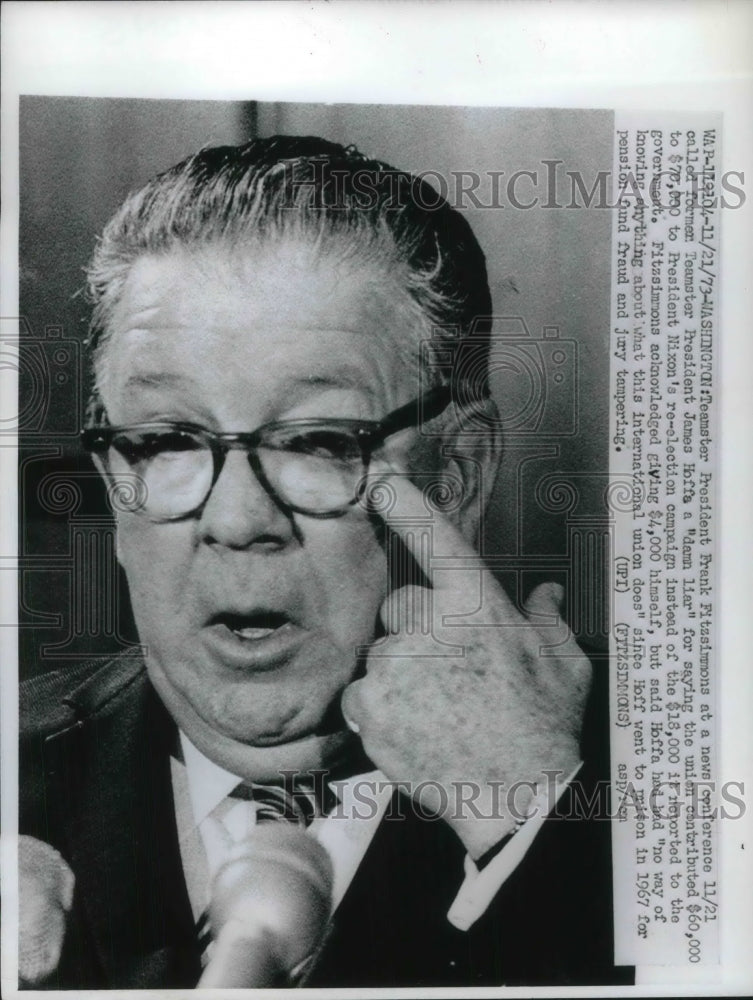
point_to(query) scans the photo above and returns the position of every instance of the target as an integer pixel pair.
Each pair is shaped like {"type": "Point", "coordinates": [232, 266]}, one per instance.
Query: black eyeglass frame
{"type": "Point", "coordinates": [369, 434]}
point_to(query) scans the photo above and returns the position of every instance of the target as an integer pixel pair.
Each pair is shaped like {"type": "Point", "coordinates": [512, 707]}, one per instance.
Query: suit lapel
{"type": "Point", "coordinates": [112, 772]}
{"type": "Point", "coordinates": [391, 927]}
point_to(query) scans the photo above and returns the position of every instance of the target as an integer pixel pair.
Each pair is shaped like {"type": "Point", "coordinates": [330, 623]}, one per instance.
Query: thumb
{"type": "Point", "coordinates": [349, 701]}
{"type": "Point", "coordinates": [546, 599]}
{"type": "Point", "coordinates": [544, 610]}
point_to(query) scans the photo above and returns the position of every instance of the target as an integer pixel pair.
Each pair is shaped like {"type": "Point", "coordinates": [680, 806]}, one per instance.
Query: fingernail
{"type": "Point", "coordinates": [352, 726]}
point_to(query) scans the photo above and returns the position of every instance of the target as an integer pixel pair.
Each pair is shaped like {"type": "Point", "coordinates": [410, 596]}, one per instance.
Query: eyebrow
{"type": "Point", "coordinates": [347, 377]}
{"type": "Point", "coordinates": [151, 380]}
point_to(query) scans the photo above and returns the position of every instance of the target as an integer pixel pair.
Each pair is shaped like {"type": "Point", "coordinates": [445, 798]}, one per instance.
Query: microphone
{"type": "Point", "coordinates": [45, 894]}
{"type": "Point", "coordinates": [270, 904]}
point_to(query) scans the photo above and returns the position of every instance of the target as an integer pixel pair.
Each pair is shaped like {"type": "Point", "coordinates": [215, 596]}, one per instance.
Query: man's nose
{"type": "Point", "coordinates": [239, 512]}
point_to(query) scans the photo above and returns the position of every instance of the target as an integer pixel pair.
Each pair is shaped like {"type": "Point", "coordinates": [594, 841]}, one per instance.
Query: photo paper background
{"type": "Point", "coordinates": [694, 56]}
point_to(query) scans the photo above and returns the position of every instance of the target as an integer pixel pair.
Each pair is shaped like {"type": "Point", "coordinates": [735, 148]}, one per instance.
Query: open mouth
{"type": "Point", "coordinates": [252, 627]}
{"type": "Point", "coordinates": [255, 640]}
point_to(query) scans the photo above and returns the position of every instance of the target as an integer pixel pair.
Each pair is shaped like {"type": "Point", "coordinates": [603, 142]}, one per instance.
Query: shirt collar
{"type": "Point", "coordinates": [209, 784]}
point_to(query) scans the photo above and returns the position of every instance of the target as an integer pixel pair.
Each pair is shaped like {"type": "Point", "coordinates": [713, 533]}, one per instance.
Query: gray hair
{"type": "Point", "coordinates": [329, 196]}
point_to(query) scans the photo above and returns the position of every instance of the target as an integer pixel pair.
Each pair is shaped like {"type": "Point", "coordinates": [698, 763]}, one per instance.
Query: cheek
{"type": "Point", "coordinates": [348, 572]}
{"type": "Point", "coordinates": [155, 559]}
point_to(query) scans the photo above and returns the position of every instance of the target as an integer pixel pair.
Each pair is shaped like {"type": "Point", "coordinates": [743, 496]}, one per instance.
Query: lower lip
{"type": "Point", "coordinates": [269, 653]}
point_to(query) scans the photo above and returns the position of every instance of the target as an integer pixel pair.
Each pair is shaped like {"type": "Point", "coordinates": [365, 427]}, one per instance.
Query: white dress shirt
{"type": "Point", "coordinates": [201, 787]}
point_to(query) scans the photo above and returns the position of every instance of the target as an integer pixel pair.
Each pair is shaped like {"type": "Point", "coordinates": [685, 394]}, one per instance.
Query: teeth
{"type": "Point", "coordinates": [253, 633]}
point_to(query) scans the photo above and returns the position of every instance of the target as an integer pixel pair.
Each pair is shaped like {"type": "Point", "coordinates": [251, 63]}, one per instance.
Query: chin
{"type": "Point", "coordinates": [267, 737]}
{"type": "Point", "coordinates": [277, 730]}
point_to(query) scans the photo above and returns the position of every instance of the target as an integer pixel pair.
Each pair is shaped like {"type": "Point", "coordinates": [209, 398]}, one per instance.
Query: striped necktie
{"type": "Point", "coordinates": [299, 800]}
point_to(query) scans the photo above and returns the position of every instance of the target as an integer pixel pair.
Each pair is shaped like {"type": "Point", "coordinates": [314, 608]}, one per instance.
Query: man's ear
{"type": "Point", "coordinates": [99, 466]}
{"type": "Point", "coordinates": [472, 452]}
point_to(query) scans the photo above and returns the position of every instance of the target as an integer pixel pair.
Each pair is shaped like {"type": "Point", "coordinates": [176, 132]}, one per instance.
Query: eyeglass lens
{"type": "Point", "coordinates": [315, 471]}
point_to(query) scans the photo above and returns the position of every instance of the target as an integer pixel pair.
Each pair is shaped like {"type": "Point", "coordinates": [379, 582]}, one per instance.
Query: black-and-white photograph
{"type": "Point", "coordinates": [367, 568]}
{"type": "Point", "coordinates": [345, 410]}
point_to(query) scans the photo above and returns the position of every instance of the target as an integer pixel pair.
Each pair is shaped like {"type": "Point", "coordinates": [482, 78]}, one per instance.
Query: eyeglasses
{"type": "Point", "coordinates": [167, 470]}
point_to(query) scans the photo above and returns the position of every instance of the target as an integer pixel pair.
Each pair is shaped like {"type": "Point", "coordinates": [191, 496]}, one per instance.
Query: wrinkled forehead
{"type": "Point", "coordinates": [287, 283]}
{"type": "Point", "coordinates": [266, 316]}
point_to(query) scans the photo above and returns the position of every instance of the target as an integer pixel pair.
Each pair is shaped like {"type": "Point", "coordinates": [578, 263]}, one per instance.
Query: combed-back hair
{"type": "Point", "coordinates": [320, 193]}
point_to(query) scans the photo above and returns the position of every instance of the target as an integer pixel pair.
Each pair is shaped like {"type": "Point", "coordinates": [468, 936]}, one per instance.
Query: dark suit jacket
{"type": "Point", "coordinates": [95, 783]}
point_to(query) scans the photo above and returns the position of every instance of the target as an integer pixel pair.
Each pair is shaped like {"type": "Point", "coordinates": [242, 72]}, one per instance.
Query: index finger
{"type": "Point", "coordinates": [411, 514]}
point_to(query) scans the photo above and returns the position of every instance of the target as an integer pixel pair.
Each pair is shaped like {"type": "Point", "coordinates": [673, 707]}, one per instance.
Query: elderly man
{"type": "Point", "coordinates": [279, 338]}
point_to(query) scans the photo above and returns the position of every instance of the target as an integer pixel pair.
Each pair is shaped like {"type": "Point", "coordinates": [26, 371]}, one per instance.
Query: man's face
{"type": "Point", "coordinates": [231, 343]}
